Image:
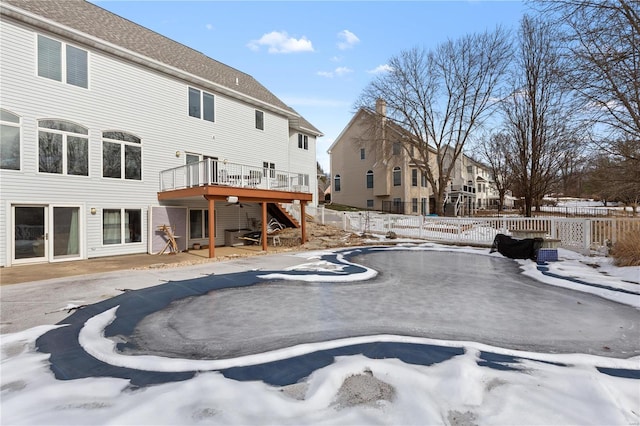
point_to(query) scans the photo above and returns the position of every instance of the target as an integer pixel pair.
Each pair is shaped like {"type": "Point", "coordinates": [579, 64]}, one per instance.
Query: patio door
{"type": "Point", "coordinates": [46, 233]}
{"type": "Point", "coordinates": [66, 233]}
{"type": "Point", "coordinates": [198, 171]}
{"type": "Point", "coordinates": [30, 234]}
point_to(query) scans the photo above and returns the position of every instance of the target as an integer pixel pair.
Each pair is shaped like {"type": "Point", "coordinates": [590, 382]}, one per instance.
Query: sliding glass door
{"type": "Point", "coordinates": [66, 232]}
{"type": "Point", "coordinates": [46, 233]}
{"type": "Point", "coordinates": [30, 233]}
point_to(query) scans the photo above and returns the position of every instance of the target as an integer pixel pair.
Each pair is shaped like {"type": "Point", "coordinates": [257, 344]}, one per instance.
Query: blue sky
{"type": "Point", "coordinates": [315, 56]}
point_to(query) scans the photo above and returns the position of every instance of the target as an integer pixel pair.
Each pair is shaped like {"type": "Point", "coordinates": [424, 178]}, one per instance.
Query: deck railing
{"type": "Point", "coordinates": [214, 172]}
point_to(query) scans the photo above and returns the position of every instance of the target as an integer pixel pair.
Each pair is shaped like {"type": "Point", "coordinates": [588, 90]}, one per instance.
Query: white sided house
{"type": "Point", "coordinates": [111, 132]}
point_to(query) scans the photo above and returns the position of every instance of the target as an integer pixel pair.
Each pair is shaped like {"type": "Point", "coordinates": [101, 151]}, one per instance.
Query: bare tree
{"type": "Point", "coordinates": [493, 151]}
{"type": "Point", "coordinates": [435, 100]}
{"type": "Point", "coordinates": [602, 47]}
{"type": "Point", "coordinates": [537, 115]}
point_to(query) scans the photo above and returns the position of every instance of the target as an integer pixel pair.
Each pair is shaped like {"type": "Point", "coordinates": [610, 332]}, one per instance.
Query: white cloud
{"type": "Point", "coordinates": [280, 42]}
{"type": "Point", "coordinates": [347, 40]}
{"type": "Point", "coordinates": [335, 58]}
{"type": "Point", "coordinates": [338, 72]}
{"type": "Point", "coordinates": [342, 71]}
{"type": "Point", "coordinates": [381, 69]}
{"type": "Point", "coordinates": [209, 26]}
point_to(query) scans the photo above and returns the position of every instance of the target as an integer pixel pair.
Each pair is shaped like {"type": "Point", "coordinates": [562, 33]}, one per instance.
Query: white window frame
{"type": "Point", "coordinates": [65, 134]}
{"type": "Point", "coordinates": [205, 226]}
{"type": "Point", "coordinates": [123, 241]}
{"type": "Point", "coordinates": [201, 97]}
{"type": "Point", "coordinates": [17, 125]}
{"type": "Point", "coordinates": [64, 71]}
{"type": "Point", "coordinates": [303, 141]}
{"type": "Point", "coordinates": [123, 144]}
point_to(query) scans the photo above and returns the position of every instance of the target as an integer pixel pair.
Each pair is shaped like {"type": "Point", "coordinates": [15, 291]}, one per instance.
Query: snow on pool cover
{"type": "Point", "coordinates": [279, 327]}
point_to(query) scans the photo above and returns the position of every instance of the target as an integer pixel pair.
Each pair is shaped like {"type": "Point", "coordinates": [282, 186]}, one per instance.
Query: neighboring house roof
{"type": "Point", "coordinates": [87, 18]}
{"type": "Point", "coordinates": [399, 130]}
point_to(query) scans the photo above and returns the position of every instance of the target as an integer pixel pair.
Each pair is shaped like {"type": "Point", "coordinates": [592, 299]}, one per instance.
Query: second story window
{"type": "Point", "coordinates": [9, 141]}
{"type": "Point", "coordinates": [396, 148]}
{"type": "Point", "coordinates": [336, 183]}
{"type": "Point", "coordinates": [362, 153]}
{"type": "Point", "coordinates": [303, 141]}
{"type": "Point", "coordinates": [57, 60]}
{"type": "Point", "coordinates": [63, 148]}
{"type": "Point", "coordinates": [423, 180]}
{"type": "Point", "coordinates": [259, 120]}
{"type": "Point", "coordinates": [414, 177]}
{"type": "Point", "coordinates": [121, 156]}
{"type": "Point", "coordinates": [201, 105]}
{"type": "Point", "coordinates": [397, 176]}
{"type": "Point", "coordinates": [369, 179]}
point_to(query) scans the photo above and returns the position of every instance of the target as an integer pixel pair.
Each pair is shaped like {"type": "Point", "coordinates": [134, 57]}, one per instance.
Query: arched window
{"type": "Point", "coordinates": [121, 155]}
{"type": "Point", "coordinates": [63, 148]}
{"type": "Point", "coordinates": [397, 176]}
{"type": "Point", "coordinates": [9, 140]}
{"type": "Point", "coordinates": [369, 179]}
{"type": "Point", "coordinates": [336, 183]}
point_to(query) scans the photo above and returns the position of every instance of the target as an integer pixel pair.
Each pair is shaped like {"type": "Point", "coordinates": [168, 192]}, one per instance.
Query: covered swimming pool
{"type": "Point", "coordinates": [379, 301]}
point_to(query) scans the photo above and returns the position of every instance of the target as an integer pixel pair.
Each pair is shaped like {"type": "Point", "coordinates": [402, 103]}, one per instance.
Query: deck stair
{"type": "Point", "coordinates": [452, 205]}
{"type": "Point", "coordinates": [282, 214]}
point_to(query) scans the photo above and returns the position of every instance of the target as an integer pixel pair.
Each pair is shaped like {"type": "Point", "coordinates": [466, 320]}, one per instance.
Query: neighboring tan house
{"type": "Point", "coordinates": [384, 178]}
{"type": "Point", "coordinates": [110, 131]}
{"type": "Point", "coordinates": [376, 177]}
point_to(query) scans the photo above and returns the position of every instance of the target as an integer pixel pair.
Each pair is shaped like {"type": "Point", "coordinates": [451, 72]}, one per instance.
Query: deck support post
{"type": "Point", "coordinates": [212, 229]}
{"type": "Point", "coordinates": [264, 226]}
{"type": "Point", "coordinates": [303, 226]}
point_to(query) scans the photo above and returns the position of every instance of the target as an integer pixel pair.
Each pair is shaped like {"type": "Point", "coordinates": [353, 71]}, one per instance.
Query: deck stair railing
{"type": "Point", "coordinates": [216, 172]}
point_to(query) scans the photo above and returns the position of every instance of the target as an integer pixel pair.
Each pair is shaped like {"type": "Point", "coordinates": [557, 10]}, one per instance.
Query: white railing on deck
{"type": "Point", "coordinates": [214, 172]}
{"type": "Point", "coordinates": [581, 235]}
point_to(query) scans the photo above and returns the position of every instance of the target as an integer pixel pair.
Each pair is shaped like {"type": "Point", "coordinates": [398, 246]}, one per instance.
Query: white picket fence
{"type": "Point", "coordinates": [581, 235]}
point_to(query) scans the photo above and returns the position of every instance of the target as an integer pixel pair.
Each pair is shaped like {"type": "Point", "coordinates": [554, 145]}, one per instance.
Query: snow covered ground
{"type": "Point", "coordinates": [461, 390]}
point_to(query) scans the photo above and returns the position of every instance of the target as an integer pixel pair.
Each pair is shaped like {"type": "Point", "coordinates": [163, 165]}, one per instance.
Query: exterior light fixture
{"type": "Point", "coordinates": [93, 210]}
{"type": "Point", "coordinates": [178, 154]}
{"type": "Point", "coordinates": [232, 199]}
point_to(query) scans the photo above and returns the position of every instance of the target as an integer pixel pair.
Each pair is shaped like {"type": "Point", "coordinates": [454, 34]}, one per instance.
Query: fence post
{"type": "Point", "coordinates": [420, 224]}
{"type": "Point", "coordinates": [587, 236]}
{"type": "Point", "coordinates": [360, 226]}
{"type": "Point", "coordinates": [322, 215]}
{"type": "Point", "coordinates": [344, 221]}
{"type": "Point", "coordinates": [554, 231]}
{"type": "Point", "coordinates": [614, 230]}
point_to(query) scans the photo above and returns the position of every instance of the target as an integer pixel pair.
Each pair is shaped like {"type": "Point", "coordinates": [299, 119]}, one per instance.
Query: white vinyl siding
{"type": "Point", "coordinates": [142, 102]}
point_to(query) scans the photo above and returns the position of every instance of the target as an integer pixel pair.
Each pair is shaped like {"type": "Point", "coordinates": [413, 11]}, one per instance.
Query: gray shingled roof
{"type": "Point", "coordinates": [90, 19]}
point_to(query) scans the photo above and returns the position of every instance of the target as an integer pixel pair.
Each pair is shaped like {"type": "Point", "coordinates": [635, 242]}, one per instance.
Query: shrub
{"type": "Point", "coordinates": [626, 251]}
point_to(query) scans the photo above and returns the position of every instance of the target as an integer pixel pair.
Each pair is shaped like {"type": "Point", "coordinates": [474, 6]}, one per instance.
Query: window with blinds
{"type": "Point", "coordinates": [57, 59]}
